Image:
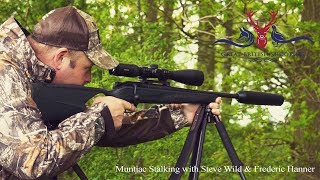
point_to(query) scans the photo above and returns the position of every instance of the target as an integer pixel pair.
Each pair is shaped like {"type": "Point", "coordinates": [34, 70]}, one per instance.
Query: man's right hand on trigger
{"type": "Point", "coordinates": [116, 107]}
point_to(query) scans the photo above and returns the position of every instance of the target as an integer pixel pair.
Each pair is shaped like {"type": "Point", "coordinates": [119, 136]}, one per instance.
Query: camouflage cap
{"type": "Point", "coordinates": [76, 30]}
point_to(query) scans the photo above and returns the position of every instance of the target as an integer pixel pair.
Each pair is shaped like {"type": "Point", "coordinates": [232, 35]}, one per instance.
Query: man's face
{"type": "Point", "coordinates": [74, 69]}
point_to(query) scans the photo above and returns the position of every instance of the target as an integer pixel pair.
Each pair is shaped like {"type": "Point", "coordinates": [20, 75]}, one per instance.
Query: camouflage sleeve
{"type": "Point", "coordinates": [27, 148]}
{"type": "Point", "coordinates": [176, 115]}
{"type": "Point", "coordinates": [143, 126]}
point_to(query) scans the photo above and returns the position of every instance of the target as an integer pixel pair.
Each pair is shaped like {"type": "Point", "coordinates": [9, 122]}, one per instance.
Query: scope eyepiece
{"type": "Point", "coordinates": [188, 76]}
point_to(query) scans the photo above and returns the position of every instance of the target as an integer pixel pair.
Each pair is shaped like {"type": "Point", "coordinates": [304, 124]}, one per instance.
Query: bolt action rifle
{"type": "Point", "coordinates": [58, 102]}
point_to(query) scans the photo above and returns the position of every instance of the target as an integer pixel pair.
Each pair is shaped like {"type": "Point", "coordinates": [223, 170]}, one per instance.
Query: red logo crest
{"type": "Point", "coordinates": [261, 39]}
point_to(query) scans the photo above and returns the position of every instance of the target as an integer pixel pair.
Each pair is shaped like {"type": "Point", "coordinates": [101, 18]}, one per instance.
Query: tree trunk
{"type": "Point", "coordinates": [306, 143]}
{"type": "Point", "coordinates": [167, 36]}
{"type": "Point", "coordinates": [152, 11]}
{"type": "Point", "coordinates": [226, 87]}
{"type": "Point", "coordinates": [206, 50]}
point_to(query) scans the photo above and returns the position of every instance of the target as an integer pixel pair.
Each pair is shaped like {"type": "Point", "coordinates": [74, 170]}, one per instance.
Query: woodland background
{"type": "Point", "coordinates": [178, 34]}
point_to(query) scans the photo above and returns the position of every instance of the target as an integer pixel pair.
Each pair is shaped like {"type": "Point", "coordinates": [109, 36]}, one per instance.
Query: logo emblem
{"type": "Point", "coordinates": [247, 38]}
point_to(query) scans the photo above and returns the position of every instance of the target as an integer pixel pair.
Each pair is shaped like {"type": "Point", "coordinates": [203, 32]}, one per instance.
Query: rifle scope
{"type": "Point", "coordinates": [187, 76]}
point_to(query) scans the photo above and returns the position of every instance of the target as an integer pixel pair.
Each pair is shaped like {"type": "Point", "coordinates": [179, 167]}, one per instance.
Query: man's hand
{"type": "Point", "coordinates": [189, 110]}
{"type": "Point", "coordinates": [215, 106]}
{"type": "Point", "coordinates": [116, 107]}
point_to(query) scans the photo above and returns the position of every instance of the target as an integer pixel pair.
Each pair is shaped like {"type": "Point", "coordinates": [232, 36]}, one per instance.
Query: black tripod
{"type": "Point", "coordinates": [195, 140]}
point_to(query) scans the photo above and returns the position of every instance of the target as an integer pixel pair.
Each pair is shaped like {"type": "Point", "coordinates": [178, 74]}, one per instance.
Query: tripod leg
{"type": "Point", "coordinates": [197, 151]}
{"type": "Point", "coordinates": [79, 172]}
{"type": "Point", "coordinates": [228, 145]}
{"type": "Point", "coordinates": [189, 143]}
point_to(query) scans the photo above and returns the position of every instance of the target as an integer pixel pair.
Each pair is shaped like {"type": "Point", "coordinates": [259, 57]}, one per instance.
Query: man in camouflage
{"type": "Point", "coordinates": [62, 49]}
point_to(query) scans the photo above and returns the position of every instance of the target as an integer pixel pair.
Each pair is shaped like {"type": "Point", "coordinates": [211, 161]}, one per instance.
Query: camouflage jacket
{"type": "Point", "coordinates": [27, 148]}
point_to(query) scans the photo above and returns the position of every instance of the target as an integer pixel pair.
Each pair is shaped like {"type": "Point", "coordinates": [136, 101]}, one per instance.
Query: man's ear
{"type": "Point", "coordinates": [58, 56]}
